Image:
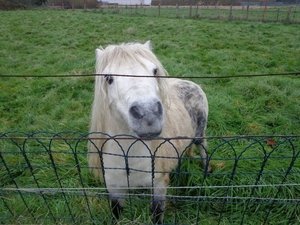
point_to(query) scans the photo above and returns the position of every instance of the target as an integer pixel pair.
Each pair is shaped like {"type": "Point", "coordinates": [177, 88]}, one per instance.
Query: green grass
{"type": "Point", "coordinates": [40, 42]}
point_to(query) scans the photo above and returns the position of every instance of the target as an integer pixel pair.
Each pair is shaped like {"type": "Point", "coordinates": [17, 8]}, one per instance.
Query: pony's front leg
{"type": "Point", "coordinates": [159, 201]}
{"type": "Point", "coordinates": [117, 202]}
{"type": "Point", "coordinates": [116, 208]}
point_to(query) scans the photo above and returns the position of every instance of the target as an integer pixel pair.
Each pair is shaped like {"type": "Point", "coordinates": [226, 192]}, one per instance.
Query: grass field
{"type": "Point", "coordinates": [54, 42]}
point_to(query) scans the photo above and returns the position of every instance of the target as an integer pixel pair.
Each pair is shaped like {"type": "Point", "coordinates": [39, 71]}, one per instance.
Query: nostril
{"type": "Point", "coordinates": [159, 109]}
{"type": "Point", "coordinates": [135, 112]}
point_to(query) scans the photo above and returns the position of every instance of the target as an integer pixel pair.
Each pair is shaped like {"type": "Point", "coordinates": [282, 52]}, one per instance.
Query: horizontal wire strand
{"type": "Point", "coordinates": [93, 192]}
{"type": "Point", "coordinates": [145, 76]}
{"type": "Point", "coordinates": [128, 137]}
{"type": "Point", "coordinates": [148, 187]}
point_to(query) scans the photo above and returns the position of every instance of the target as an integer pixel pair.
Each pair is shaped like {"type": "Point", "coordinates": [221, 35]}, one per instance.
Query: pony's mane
{"type": "Point", "coordinates": [129, 53]}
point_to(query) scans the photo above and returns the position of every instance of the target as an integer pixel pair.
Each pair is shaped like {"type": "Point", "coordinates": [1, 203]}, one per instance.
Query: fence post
{"type": "Point", "coordinates": [159, 10]}
{"type": "Point", "coordinates": [277, 17]}
{"type": "Point", "coordinates": [190, 11]}
{"type": "Point", "coordinates": [230, 13]}
{"type": "Point", "coordinates": [197, 9]}
{"type": "Point", "coordinates": [265, 9]}
{"type": "Point", "coordinates": [247, 17]}
{"type": "Point", "coordinates": [84, 5]}
{"type": "Point", "coordinates": [135, 9]}
{"type": "Point", "coordinates": [115, 8]}
{"type": "Point", "coordinates": [100, 8]}
{"type": "Point", "coordinates": [177, 9]}
{"type": "Point", "coordinates": [288, 15]}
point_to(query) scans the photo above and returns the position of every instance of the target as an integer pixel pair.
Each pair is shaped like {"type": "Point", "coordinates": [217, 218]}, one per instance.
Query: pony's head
{"type": "Point", "coordinates": [136, 103]}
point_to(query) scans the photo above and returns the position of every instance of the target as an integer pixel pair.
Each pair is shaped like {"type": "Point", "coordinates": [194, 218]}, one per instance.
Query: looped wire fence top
{"type": "Point", "coordinates": [45, 179]}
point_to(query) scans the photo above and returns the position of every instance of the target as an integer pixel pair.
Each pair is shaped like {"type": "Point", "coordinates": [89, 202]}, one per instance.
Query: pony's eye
{"type": "Point", "coordinates": [109, 79]}
{"type": "Point", "coordinates": [155, 71]}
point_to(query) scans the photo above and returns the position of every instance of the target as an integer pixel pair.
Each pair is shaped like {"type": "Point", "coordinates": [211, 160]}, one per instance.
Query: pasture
{"type": "Point", "coordinates": [56, 42]}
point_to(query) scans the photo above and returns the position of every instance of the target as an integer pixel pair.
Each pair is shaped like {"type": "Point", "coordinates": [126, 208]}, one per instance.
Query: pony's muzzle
{"type": "Point", "coordinates": [146, 117]}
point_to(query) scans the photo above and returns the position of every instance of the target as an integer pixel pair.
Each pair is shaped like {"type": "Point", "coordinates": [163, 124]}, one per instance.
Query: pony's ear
{"type": "Point", "coordinates": [99, 53]}
{"type": "Point", "coordinates": [148, 44]}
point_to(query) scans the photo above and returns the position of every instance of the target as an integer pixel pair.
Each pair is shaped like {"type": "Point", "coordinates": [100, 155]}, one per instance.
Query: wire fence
{"type": "Point", "coordinates": [246, 12]}
{"type": "Point", "coordinates": [45, 179]}
{"type": "Point", "coordinates": [261, 11]}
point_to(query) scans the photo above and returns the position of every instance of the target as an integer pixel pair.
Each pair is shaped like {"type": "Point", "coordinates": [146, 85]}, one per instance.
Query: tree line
{"type": "Point", "coordinates": [17, 4]}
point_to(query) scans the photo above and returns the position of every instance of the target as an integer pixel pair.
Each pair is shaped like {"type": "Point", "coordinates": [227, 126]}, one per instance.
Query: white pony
{"type": "Point", "coordinates": [144, 107]}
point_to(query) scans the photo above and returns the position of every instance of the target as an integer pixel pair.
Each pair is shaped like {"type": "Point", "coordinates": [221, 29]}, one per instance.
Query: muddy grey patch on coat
{"type": "Point", "coordinates": [195, 103]}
